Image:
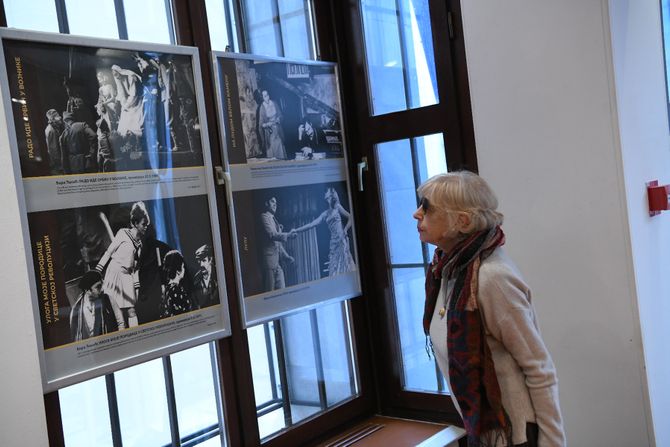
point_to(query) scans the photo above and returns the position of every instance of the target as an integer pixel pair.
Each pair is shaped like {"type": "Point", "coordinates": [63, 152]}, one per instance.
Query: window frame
{"type": "Point", "coordinates": [373, 323]}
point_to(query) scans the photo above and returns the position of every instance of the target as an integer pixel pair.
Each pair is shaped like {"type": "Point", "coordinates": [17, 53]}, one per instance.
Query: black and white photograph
{"type": "Point", "coordinates": [108, 268]}
{"type": "Point", "coordinates": [278, 110]}
{"type": "Point", "coordinates": [80, 109]}
{"type": "Point", "coordinates": [293, 235]}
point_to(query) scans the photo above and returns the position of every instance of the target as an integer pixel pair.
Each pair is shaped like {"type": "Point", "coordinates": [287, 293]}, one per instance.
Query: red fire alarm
{"type": "Point", "coordinates": [659, 197]}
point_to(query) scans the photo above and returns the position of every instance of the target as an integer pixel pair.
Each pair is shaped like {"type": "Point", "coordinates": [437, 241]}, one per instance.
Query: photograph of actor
{"type": "Point", "coordinates": [79, 146]}
{"type": "Point", "coordinates": [121, 281]}
{"type": "Point", "coordinates": [205, 287]}
{"type": "Point", "coordinates": [273, 251]}
{"type": "Point", "coordinates": [92, 313]}
{"type": "Point", "coordinates": [176, 299]}
{"type": "Point", "coordinates": [53, 132]}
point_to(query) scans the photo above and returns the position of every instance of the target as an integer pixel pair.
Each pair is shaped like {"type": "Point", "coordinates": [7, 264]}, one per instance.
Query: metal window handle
{"type": "Point", "coordinates": [362, 166]}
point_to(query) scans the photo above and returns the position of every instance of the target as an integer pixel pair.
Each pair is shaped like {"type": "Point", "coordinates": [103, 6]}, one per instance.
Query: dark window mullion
{"type": "Point", "coordinates": [404, 57]}
{"type": "Point", "coordinates": [318, 359]}
{"type": "Point", "coordinates": [171, 26]}
{"type": "Point", "coordinates": [240, 25]}
{"type": "Point", "coordinates": [121, 19]}
{"type": "Point", "coordinates": [61, 14]}
{"type": "Point", "coordinates": [283, 375]}
{"type": "Point", "coordinates": [277, 25]}
{"type": "Point", "coordinates": [113, 405]}
{"type": "Point", "coordinates": [271, 361]}
{"type": "Point", "coordinates": [171, 401]}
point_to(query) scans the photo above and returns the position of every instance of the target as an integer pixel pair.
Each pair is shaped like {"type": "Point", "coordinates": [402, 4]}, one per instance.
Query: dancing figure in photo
{"type": "Point", "coordinates": [121, 281]}
{"type": "Point", "coordinates": [273, 250]}
{"type": "Point", "coordinates": [92, 313]}
{"type": "Point", "coordinates": [129, 94]}
{"type": "Point", "coordinates": [176, 299]}
{"type": "Point", "coordinates": [340, 259]}
{"type": "Point", "coordinates": [270, 122]}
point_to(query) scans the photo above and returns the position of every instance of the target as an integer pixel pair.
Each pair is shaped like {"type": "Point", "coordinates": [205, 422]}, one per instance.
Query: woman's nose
{"type": "Point", "coordinates": [418, 214]}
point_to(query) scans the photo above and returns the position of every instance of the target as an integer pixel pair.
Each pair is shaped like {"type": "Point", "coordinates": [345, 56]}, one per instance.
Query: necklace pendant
{"type": "Point", "coordinates": [442, 312]}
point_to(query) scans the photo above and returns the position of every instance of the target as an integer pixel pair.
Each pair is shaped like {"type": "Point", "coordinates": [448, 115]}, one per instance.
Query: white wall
{"type": "Point", "coordinates": [22, 417]}
{"type": "Point", "coordinates": [545, 117]}
{"type": "Point", "coordinates": [643, 122]}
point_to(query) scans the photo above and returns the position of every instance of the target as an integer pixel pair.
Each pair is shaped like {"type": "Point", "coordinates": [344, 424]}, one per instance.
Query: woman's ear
{"type": "Point", "coordinates": [464, 222]}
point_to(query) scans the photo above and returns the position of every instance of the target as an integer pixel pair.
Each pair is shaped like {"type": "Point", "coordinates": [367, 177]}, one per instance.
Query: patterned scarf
{"type": "Point", "coordinates": [471, 371]}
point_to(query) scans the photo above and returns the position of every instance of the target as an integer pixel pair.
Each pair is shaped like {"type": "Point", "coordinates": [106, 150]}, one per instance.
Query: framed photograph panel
{"type": "Point", "coordinates": [288, 183]}
{"type": "Point", "coordinates": [110, 152]}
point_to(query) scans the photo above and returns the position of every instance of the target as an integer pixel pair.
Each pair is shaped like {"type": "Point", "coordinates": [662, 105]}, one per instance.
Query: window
{"type": "Point", "coordinates": [409, 102]}
{"type": "Point", "coordinates": [403, 166]}
{"type": "Point", "coordinates": [302, 365]}
{"type": "Point", "coordinates": [170, 401]}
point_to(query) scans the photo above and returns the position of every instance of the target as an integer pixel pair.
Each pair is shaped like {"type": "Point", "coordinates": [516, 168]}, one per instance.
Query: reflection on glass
{"type": "Point", "coordinates": [96, 19]}
{"type": "Point", "coordinates": [195, 390]}
{"type": "Point", "coordinates": [403, 166]}
{"type": "Point", "coordinates": [399, 54]}
{"type": "Point", "coordinates": [148, 21]}
{"type": "Point", "coordinates": [37, 15]}
{"type": "Point", "coordinates": [308, 361]}
{"type": "Point", "coordinates": [143, 412]}
{"type": "Point", "coordinates": [85, 415]}
{"type": "Point", "coordinates": [279, 28]}
{"type": "Point", "coordinates": [218, 25]}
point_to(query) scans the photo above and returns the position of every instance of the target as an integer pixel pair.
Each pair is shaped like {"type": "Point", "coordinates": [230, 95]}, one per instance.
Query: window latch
{"type": "Point", "coordinates": [362, 166]}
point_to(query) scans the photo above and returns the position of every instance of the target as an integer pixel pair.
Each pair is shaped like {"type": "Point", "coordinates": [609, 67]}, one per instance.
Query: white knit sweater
{"type": "Point", "coordinates": [524, 368]}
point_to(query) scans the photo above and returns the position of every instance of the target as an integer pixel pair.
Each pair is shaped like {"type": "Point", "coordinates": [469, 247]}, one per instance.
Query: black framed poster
{"type": "Point", "coordinates": [288, 183]}
{"type": "Point", "coordinates": [112, 165]}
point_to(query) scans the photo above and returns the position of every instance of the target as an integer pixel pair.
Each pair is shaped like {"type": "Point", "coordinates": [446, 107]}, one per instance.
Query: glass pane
{"type": "Point", "coordinates": [336, 353]}
{"type": "Point", "coordinates": [148, 21]}
{"type": "Point", "coordinates": [195, 389]}
{"type": "Point", "coordinates": [317, 362]}
{"type": "Point", "coordinates": [261, 361]}
{"type": "Point", "coordinates": [143, 412]}
{"type": "Point", "coordinates": [85, 414]}
{"type": "Point", "coordinates": [419, 370]}
{"type": "Point", "coordinates": [97, 19]}
{"type": "Point", "coordinates": [399, 54]}
{"type": "Point", "coordinates": [38, 15]}
{"type": "Point", "coordinates": [403, 166]}
{"type": "Point", "coordinates": [278, 30]}
{"type": "Point", "coordinates": [218, 24]}
{"type": "Point", "coordinates": [398, 190]}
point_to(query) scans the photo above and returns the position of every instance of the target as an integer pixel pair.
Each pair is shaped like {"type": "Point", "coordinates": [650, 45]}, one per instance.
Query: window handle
{"type": "Point", "coordinates": [362, 166]}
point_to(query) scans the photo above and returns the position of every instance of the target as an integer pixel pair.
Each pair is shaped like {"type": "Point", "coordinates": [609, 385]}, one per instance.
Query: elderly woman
{"type": "Point", "coordinates": [480, 320]}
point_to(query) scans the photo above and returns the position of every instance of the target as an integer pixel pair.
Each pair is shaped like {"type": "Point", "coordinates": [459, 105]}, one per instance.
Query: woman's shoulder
{"type": "Point", "coordinates": [499, 276]}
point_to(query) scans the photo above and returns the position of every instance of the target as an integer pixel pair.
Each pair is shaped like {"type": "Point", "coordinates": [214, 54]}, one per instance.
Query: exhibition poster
{"type": "Point", "coordinates": [281, 123]}
{"type": "Point", "coordinates": [113, 171]}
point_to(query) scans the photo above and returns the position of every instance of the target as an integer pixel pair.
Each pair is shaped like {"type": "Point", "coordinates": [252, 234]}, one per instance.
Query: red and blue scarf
{"type": "Point", "coordinates": [472, 375]}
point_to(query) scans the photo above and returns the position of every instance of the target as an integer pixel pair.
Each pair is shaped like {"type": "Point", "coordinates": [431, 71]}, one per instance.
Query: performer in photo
{"type": "Point", "coordinates": [272, 247]}
{"type": "Point", "coordinates": [108, 105]}
{"type": "Point", "coordinates": [53, 132]}
{"type": "Point", "coordinates": [176, 299]}
{"type": "Point", "coordinates": [121, 281]}
{"type": "Point", "coordinates": [310, 139]}
{"type": "Point", "coordinates": [154, 119]}
{"type": "Point", "coordinates": [129, 94]}
{"type": "Point", "coordinates": [92, 313]}
{"type": "Point", "coordinates": [340, 259]}
{"type": "Point", "coordinates": [270, 123]}
{"type": "Point", "coordinates": [79, 146]}
{"type": "Point", "coordinates": [206, 288]}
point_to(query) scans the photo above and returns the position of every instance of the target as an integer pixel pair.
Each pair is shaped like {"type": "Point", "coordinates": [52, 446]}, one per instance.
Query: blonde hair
{"type": "Point", "coordinates": [466, 192]}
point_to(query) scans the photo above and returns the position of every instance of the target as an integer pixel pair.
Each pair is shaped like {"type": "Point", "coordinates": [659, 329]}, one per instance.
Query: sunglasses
{"type": "Point", "coordinates": [424, 204]}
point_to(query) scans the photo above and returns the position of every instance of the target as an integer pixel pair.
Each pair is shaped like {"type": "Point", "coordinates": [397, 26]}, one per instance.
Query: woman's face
{"type": "Point", "coordinates": [266, 96]}
{"type": "Point", "coordinates": [435, 226]}
{"type": "Point", "coordinates": [142, 226]}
